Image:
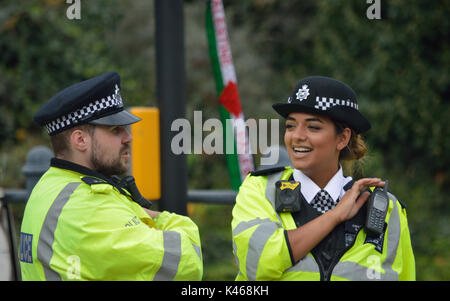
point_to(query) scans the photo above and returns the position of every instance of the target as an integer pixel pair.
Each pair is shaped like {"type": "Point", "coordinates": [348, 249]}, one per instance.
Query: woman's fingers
{"type": "Point", "coordinates": [361, 200]}
{"type": "Point", "coordinates": [355, 198]}
{"type": "Point", "coordinates": [364, 183]}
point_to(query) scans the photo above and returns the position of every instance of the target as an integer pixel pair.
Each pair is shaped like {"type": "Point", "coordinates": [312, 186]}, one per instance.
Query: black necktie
{"type": "Point", "coordinates": [323, 202]}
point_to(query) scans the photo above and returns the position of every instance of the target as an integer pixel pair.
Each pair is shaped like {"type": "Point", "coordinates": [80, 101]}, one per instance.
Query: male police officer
{"type": "Point", "coordinates": [83, 223]}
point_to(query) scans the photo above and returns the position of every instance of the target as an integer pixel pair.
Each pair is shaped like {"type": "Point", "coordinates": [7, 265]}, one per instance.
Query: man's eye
{"type": "Point", "coordinates": [288, 126]}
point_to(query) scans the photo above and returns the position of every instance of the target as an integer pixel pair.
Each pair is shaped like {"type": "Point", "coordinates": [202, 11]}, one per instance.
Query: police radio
{"type": "Point", "coordinates": [377, 208]}
{"type": "Point", "coordinates": [130, 185]}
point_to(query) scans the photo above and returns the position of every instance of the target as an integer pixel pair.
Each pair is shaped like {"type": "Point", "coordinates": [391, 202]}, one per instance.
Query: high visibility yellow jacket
{"type": "Point", "coordinates": [262, 250]}
{"type": "Point", "coordinates": [75, 231]}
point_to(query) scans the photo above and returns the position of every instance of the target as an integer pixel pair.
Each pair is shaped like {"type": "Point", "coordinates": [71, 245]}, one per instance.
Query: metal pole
{"type": "Point", "coordinates": [214, 197]}
{"type": "Point", "coordinates": [170, 82]}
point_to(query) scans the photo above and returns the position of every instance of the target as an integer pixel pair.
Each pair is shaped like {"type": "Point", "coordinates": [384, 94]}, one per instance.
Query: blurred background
{"type": "Point", "coordinates": [398, 65]}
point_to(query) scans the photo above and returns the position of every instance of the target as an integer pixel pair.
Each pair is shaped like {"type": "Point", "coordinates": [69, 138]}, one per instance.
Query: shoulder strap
{"type": "Point", "coordinates": [92, 180]}
{"type": "Point", "coordinates": [270, 187]}
{"type": "Point", "coordinates": [267, 171]}
{"type": "Point", "coordinates": [394, 198]}
{"type": "Point", "coordinates": [349, 185]}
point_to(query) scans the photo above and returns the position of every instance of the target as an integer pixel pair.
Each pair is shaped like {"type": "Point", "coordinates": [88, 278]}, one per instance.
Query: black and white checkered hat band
{"type": "Point", "coordinates": [324, 103]}
{"type": "Point", "coordinates": [95, 107]}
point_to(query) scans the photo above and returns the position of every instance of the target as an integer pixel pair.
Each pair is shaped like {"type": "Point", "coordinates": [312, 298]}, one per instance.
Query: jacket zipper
{"type": "Point", "coordinates": [327, 276]}
{"type": "Point", "coordinates": [321, 268]}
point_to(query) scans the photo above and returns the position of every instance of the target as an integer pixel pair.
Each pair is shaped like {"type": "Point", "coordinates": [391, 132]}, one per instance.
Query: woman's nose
{"type": "Point", "coordinates": [299, 133]}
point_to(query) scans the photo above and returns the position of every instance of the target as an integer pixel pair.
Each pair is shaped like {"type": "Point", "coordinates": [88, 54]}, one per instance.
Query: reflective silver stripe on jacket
{"type": "Point", "coordinates": [265, 230]}
{"type": "Point", "coordinates": [197, 250]}
{"type": "Point", "coordinates": [172, 255]}
{"type": "Point", "coordinates": [255, 247]}
{"type": "Point", "coordinates": [393, 239]}
{"type": "Point", "coordinates": [306, 264]}
{"type": "Point", "coordinates": [256, 242]}
{"type": "Point", "coordinates": [47, 235]}
{"type": "Point", "coordinates": [242, 226]}
{"type": "Point", "coordinates": [270, 189]}
{"type": "Point", "coordinates": [354, 271]}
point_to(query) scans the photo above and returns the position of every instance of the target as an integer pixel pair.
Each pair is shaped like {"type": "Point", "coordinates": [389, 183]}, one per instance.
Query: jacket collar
{"type": "Point", "coordinates": [336, 187]}
{"type": "Point", "coordinates": [64, 164]}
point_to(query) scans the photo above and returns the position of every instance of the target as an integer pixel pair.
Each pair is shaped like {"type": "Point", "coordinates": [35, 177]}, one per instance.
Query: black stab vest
{"type": "Point", "coordinates": [328, 252]}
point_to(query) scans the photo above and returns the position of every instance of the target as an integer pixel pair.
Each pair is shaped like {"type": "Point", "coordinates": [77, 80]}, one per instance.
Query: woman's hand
{"type": "Point", "coordinates": [303, 239]}
{"type": "Point", "coordinates": [351, 203]}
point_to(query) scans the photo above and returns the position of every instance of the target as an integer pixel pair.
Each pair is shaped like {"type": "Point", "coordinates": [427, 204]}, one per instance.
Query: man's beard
{"type": "Point", "coordinates": [107, 167]}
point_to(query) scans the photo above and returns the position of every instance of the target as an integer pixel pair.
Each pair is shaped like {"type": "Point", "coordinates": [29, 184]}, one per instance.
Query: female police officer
{"type": "Point", "coordinates": [309, 222]}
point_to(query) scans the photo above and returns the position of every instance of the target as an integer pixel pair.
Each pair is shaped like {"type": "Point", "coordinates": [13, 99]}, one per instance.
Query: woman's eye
{"type": "Point", "coordinates": [313, 127]}
{"type": "Point", "coordinates": [289, 126]}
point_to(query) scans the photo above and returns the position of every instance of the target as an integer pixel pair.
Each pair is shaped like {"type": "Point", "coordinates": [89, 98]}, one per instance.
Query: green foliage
{"type": "Point", "coordinates": [400, 73]}
{"type": "Point", "coordinates": [42, 51]}
{"type": "Point", "coordinates": [398, 65]}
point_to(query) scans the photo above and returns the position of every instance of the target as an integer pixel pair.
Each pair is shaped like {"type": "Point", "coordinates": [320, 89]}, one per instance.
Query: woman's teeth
{"type": "Point", "coordinates": [302, 149]}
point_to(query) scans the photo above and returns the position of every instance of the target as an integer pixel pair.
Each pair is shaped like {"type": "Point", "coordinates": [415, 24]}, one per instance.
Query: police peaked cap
{"type": "Point", "coordinates": [95, 101]}
{"type": "Point", "coordinates": [325, 96]}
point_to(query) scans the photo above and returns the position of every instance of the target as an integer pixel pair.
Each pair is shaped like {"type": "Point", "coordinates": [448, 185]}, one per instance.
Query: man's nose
{"type": "Point", "coordinates": [127, 136]}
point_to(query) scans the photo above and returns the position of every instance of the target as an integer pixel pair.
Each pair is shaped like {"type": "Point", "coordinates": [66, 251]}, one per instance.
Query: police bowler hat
{"type": "Point", "coordinates": [325, 96]}
{"type": "Point", "coordinates": [95, 101]}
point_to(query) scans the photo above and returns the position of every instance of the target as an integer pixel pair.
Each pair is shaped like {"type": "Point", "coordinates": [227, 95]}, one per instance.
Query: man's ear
{"type": "Point", "coordinates": [344, 138]}
{"type": "Point", "coordinates": [80, 140]}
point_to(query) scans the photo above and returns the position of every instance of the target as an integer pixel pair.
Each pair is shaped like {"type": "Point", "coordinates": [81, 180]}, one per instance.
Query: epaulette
{"type": "Point", "coordinates": [92, 180]}
{"type": "Point", "coordinates": [396, 199]}
{"type": "Point", "coordinates": [267, 171]}
{"type": "Point", "coordinates": [402, 204]}
{"type": "Point", "coordinates": [349, 185]}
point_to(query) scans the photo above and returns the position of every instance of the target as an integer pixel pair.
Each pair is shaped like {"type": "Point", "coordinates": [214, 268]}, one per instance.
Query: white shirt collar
{"type": "Point", "coordinates": [335, 187]}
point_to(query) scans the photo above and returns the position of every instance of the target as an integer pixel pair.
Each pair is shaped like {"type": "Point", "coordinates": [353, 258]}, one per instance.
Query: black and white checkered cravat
{"type": "Point", "coordinates": [323, 202]}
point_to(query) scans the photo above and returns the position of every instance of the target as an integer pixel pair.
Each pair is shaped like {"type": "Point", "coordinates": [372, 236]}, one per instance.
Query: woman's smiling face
{"type": "Point", "coordinates": [313, 144]}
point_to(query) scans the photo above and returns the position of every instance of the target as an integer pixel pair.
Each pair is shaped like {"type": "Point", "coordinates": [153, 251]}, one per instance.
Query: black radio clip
{"type": "Point", "coordinates": [129, 184]}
